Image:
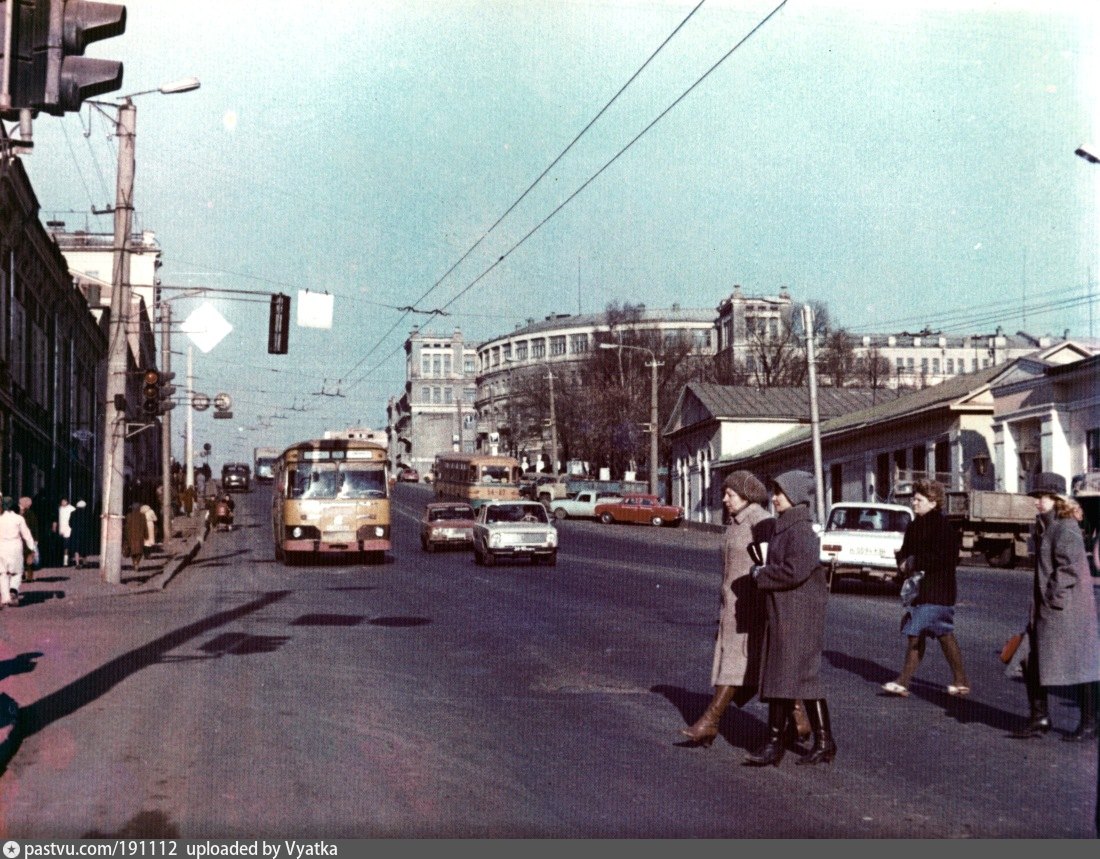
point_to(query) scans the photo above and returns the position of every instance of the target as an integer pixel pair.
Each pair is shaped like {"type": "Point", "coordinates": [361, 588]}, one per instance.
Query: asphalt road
{"type": "Point", "coordinates": [430, 697]}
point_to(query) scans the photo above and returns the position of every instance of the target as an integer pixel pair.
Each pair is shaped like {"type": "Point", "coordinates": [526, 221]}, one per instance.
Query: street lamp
{"type": "Point", "coordinates": [653, 430]}
{"type": "Point", "coordinates": [114, 436]}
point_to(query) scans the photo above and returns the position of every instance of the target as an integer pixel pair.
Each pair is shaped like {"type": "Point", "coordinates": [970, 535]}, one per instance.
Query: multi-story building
{"type": "Point", "coordinates": [435, 413]}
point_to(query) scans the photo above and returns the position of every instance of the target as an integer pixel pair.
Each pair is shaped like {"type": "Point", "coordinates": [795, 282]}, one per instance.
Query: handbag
{"type": "Point", "coordinates": [1011, 646]}
{"type": "Point", "coordinates": [910, 588]}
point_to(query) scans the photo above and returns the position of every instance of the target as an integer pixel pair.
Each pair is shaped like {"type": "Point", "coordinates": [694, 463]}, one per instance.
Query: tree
{"type": "Point", "coordinates": [837, 361]}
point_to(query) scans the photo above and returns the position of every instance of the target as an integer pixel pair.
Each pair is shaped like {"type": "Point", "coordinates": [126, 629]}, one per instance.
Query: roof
{"type": "Point", "coordinates": [646, 317]}
{"type": "Point", "coordinates": [739, 402]}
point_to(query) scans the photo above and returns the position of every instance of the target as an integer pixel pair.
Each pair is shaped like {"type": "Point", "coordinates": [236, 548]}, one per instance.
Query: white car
{"type": "Point", "coordinates": [582, 505]}
{"type": "Point", "coordinates": [861, 538]}
{"type": "Point", "coordinates": [514, 529]}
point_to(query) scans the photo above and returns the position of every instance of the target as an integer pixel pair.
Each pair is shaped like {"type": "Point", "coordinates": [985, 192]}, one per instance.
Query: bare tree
{"type": "Point", "coordinates": [837, 360]}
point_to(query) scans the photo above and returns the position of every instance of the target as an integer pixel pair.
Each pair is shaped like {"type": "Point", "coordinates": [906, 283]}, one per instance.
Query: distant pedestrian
{"type": "Point", "coordinates": [63, 529]}
{"type": "Point", "coordinates": [187, 498]}
{"type": "Point", "coordinates": [26, 510]}
{"type": "Point", "coordinates": [930, 544]}
{"type": "Point", "coordinates": [1062, 627]}
{"type": "Point", "coordinates": [796, 595]}
{"type": "Point", "coordinates": [150, 526]}
{"type": "Point", "coordinates": [736, 664]}
{"type": "Point", "coordinates": [80, 537]}
{"type": "Point", "coordinates": [134, 531]}
{"type": "Point", "coordinates": [200, 487]}
{"type": "Point", "coordinates": [15, 538]}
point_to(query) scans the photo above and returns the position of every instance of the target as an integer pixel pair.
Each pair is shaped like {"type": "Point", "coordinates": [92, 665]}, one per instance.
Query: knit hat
{"type": "Point", "coordinates": [1047, 483]}
{"type": "Point", "coordinates": [745, 484]}
{"type": "Point", "coordinates": [798, 486]}
{"type": "Point", "coordinates": [8, 503]}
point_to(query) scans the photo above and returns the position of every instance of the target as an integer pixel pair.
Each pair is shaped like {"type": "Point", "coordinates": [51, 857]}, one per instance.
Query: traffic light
{"type": "Point", "coordinates": [48, 69]}
{"type": "Point", "coordinates": [167, 391]}
{"type": "Point", "coordinates": [150, 392]}
{"type": "Point", "coordinates": [278, 324]}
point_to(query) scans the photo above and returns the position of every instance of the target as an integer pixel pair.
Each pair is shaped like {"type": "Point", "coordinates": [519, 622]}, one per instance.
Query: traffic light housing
{"type": "Point", "coordinates": [278, 324]}
{"type": "Point", "coordinates": [47, 66]}
{"type": "Point", "coordinates": [156, 392]}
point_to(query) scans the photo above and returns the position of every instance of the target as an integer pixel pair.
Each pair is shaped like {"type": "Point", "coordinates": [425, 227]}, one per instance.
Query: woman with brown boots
{"type": "Point", "coordinates": [741, 614]}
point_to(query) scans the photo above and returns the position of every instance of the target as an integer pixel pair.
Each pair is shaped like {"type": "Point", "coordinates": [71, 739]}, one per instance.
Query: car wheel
{"type": "Point", "coordinates": [607, 518]}
{"type": "Point", "coordinates": [560, 514]}
{"type": "Point", "coordinates": [656, 521]}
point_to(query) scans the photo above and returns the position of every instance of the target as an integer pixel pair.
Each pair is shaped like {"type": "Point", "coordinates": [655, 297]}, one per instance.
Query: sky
{"type": "Point", "coordinates": [908, 164]}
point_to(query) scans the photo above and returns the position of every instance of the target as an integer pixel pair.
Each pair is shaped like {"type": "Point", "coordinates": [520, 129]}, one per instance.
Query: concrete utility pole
{"type": "Point", "coordinates": [166, 423]}
{"type": "Point", "coordinates": [114, 436]}
{"type": "Point", "coordinates": [815, 420]}
{"type": "Point", "coordinates": [553, 428]}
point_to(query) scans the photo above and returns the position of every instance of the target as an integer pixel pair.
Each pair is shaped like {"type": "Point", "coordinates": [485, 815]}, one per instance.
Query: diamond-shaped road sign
{"type": "Point", "coordinates": [206, 326]}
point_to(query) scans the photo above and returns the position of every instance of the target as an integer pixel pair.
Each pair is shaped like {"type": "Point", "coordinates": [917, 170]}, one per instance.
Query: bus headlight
{"type": "Point", "coordinates": [296, 533]}
{"type": "Point", "coordinates": [379, 531]}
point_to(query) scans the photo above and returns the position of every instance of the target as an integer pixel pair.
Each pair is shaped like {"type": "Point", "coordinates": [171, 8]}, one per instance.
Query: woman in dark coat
{"type": "Point", "coordinates": [1062, 628]}
{"type": "Point", "coordinates": [80, 536]}
{"type": "Point", "coordinates": [932, 545]}
{"type": "Point", "coordinates": [794, 583]}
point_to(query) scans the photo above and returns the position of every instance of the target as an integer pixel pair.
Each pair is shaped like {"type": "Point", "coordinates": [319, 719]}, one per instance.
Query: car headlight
{"type": "Point", "coordinates": [495, 541]}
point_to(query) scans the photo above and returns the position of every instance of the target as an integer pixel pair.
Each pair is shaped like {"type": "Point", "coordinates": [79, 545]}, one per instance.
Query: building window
{"type": "Point", "coordinates": [447, 364]}
{"type": "Point", "coordinates": [910, 365]}
{"type": "Point", "coordinates": [936, 365]}
{"type": "Point", "coordinates": [447, 395]}
{"type": "Point", "coordinates": [437, 365]}
{"type": "Point", "coordinates": [437, 395]}
{"type": "Point", "coordinates": [425, 365]}
{"type": "Point", "coordinates": [557, 345]}
{"type": "Point", "coordinates": [470, 394]}
{"type": "Point", "coordinates": [580, 344]}
{"type": "Point", "coordinates": [701, 338]}
{"type": "Point", "coordinates": [950, 366]}
{"type": "Point", "coordinates": [1092, 449]}
{"type": "Point", "coordinates": [521, 351]}
{"type": "Point", "coordinates": [924, 365]}
{"type": "Point", "coordinates": [901, 366]}
{"type": "Point", "coordinates": [425, 395]}
{"type": "Point", "coordinates": [538, 348]}
{"type": "Point", "coordinates": [506, 352]}
{"type": "Point", "coordinates": [468, 365]}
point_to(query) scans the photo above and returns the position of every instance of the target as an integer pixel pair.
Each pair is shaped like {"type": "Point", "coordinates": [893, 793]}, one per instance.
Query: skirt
{"type": "Point", "coordinates": [928, 619]}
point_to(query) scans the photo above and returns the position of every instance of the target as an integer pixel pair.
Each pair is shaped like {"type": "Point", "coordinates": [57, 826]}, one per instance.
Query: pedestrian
{"type": "Point", "coordinates": [187, 498]}
{"type": "Point", "coordinates": [1062, 627]}
{"type": "Point", "coordinates": [200, 486]}
{"type": "Point", "coordinates": [15, 537]}
{"type": "Point", "coordinates": [793, 580]}
{"type": "Point", "coordinates": [26, 510]}
{"type": "Point", "coordinates": [736, 663]}
{"type": "Point", "coordinates": [63, 529]}
{"type": "Point", "coordinates": [151, 527]}
{"type": "Point", "coordinates": [80, 537]}
{"type": "Point", "coordinates": [135, 528]}
{"type": "Point", "coordinates": [930, 544]}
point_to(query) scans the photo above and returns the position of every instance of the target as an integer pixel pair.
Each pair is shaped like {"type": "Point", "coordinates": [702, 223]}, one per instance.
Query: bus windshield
{"type": "Point", "coordinates": [497, 474]}
{"type": "Point", "coordinates": [336, 480]}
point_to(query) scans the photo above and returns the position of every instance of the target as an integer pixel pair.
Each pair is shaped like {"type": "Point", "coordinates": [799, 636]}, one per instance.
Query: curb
{"type": "Point", "coordinates": [171, 571]}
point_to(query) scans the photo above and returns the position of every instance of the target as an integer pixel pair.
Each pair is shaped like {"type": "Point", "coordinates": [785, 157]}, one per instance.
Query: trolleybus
{"type": "Point", "coordinates": [475, 478]}
{"type": "Point", "coordinates": [331, 496]}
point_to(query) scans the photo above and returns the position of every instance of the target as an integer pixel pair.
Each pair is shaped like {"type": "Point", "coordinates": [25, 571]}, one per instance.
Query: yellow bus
{"type": "Point", "coordinates": [475, 478]}
{"type": "Point", "coordinates": [331, 496]}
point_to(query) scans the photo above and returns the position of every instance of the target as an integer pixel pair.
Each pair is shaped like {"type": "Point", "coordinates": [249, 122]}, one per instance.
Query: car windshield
{"type": "Point", "coordinates": [516, 513]}
{"type": "Point", "coordinates": [867, 519]}
{"type": "Point", "coordinates": [459, 512]}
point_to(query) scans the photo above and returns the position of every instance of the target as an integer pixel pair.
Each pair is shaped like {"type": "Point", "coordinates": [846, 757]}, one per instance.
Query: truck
{"type": "Point", "coordinates": [992, 524]}
{"type": "Point", "coordinates": [263, 462]}
{"type": "Point", "coordinates": [582, 505]}
{"type": "Point", "coordinates": [548, 490]}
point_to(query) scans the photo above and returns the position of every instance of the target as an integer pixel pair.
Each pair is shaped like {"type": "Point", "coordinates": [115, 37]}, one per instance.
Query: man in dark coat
{"type": "Point", "coordinates": [794, 583]}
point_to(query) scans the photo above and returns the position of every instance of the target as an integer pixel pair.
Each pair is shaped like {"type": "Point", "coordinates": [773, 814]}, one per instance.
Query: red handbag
{"type": "Point", "coordinates": [1011, 646]}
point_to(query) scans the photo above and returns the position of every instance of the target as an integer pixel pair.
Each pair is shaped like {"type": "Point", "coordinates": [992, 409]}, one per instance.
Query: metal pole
{"type": "Point", "coordinates": [189, 440]}
{"type": "Point", "coordinates": [114, 437]}
{"type": "Point", "coordinates": [653, 483]}
{"type": "Point", "coordinates": [815, 422]}
{"type": "Point", "coordinates": [553, 428]}
{"type": "Point", "coordinates": [166, 426]}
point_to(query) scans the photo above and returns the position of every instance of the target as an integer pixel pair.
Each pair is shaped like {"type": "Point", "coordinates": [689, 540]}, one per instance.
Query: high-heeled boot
{"type": "Point", "coordinates": [779, 713]}
{"type": "Point", "coordinates": [824, 747]}
{"type": "Point", "coordinates": [799, 723]}
{"type": "Point", "coordinates": [705, 728]}
{"type": "Point", "coordinates": [1086, 728]}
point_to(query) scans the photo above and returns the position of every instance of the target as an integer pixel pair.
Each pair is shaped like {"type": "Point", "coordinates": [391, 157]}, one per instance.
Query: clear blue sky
{"type": "Point", "coordinates": [905, 163]}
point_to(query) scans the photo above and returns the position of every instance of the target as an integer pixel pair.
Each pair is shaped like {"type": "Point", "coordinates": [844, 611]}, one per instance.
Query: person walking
{"type": "Point", "coordinates": [134, 531]}
{"type": "Point", "coordinates": [1062, 627]}
{"type": "Point", "coordinates": [793, 580]}
{"type": "Point", "coordinates": [80, 537]}
{"type": "Point", "coordinates": [151, 527]}
{"type": "Point", "coordinates": [15, 536]}
{"type": "Point", "coordinates": [26, 510]}
{"type": "Point", "coordinates": [930, 544]}
{"type": "Point", "coordinates": [736, 664]}
{"type": "Point", "coordinates": [64, 531]}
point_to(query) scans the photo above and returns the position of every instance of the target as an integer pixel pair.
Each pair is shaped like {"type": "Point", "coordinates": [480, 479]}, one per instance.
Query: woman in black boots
{"type": "Point", "coordinates": [794, 584]}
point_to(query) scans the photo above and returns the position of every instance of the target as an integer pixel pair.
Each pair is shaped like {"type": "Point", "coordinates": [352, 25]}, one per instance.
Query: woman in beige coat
{"type": "Point", "coordinates": [741, 616]}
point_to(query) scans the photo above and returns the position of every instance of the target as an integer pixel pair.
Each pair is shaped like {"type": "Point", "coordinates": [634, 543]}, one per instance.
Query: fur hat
{"type": "Point", "coordinates": [798, 486]}
{"type": "Point", "coordinates": [745, 484]}
{"type": "Point", "coordinates": [1047, 483]}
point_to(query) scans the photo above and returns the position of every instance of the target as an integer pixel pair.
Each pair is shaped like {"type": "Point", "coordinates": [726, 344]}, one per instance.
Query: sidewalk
{"type": "Point", "coordinates": [85, 585]}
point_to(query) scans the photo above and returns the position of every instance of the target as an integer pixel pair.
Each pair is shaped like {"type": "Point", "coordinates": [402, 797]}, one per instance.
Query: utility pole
{"type": "Point", "coordinates": [189, 422]}
{"type": "Point", "coordinates": [553, 428]}
{"type": "Point", "coordinates": [653, 482]}
{"type": "Point", "coordinates": [166, 424]}
{"type": "Point", "coordinates": [114, 436]}
{"type": "Point", "coordinates": [815, 421]}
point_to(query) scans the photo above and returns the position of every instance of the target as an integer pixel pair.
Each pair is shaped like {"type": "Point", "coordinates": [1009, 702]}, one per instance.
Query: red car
{"type": "Point", "coordinates": [643, 509]}
{"type": "Point", "coordinates": [408, 475]}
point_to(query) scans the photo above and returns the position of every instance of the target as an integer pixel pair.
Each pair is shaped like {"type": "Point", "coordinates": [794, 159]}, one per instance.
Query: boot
{"type": "Point", "coordinates": [799, 721]}
{"type": "Point", "coordinates": [779, 713]}
{"type": "Point", "coordinates": [705, 729]}
{"type": "Point", "coordinates": [1086, 728]}
{"type": "Point", "coordinates": [1038, 724]}
{"type": "Point", "coordinates": [824, 748]}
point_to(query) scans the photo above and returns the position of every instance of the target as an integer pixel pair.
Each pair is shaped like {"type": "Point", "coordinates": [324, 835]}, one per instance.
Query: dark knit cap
{"type": "Point", "coordinates": [747, 486]}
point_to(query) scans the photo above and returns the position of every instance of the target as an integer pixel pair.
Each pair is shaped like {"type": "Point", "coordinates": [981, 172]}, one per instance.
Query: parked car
{"type": "Point", "coordinates": [408, 475]}
{"type": "Point", "coordinates": [236, 477]}
{"type": "Point", "coordinates": [582, 505]}
{"type": "Point", "coordinates": [446, 524]}
{"type": "Point", "coordinates": [861, 538]}
{"type": "Point", "coordinates": [640, 508]}
{"type": "Point", "coordinates": [514, 529]}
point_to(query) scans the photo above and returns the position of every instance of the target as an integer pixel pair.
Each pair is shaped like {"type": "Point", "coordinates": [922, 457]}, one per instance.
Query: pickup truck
{"type": "Point", "coordinates": [582, 505]}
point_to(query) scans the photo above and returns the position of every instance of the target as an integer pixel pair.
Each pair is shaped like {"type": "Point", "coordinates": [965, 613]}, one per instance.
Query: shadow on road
{"type": "Point", "coordinates": [737, 727]}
